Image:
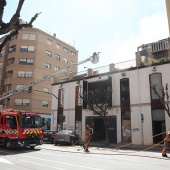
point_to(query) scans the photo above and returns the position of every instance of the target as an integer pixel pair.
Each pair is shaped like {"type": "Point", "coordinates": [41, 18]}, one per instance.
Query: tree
{"type": "Point", "coordinates": [15, 24]}
{"type": "Point", "coordinates": [94, 104]}
{"type": "Point", "coordinates": [164, 98]}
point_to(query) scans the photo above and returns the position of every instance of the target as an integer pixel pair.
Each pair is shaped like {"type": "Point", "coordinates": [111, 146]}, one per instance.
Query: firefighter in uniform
{"type": "Point", "coordinates": [87, 138]}
{"type": "Point", "coordinates": [166, 145]}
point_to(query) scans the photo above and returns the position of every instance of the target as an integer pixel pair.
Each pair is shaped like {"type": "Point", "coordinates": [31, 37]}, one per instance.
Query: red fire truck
{"type": "Point", "coordinates": [21, 129]}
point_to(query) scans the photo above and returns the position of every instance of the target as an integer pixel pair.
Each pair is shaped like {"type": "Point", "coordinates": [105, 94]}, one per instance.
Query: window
{"type": "Point", "coordinates": [46, 90]}
{"type": "Point", "coordinates": [22, 102]}
{"type": "Point", "coordinates": [49, 42]}
{"type": "Point", "coordinates": [48, 53]}
{"type": "Point", "coordinates": [65, 71]}
{"type": "Point", "coordinates": [28, 36]}
{"type": "Point", "coordinates": [26, 61]}
{"type": "Point", "coordinates": [58, 46]}
{"type": "Point", "coordinates": [12, 48]}
{"type": "Point", "coordinates": [1, 65]}
{"type": "Point", "coordinates": [73, 53]}
{"type": "Point", "coordinates": [45, 103]}
{"type": "Point", "coordinates": [18, 86]}
{"type": "Point", "coordinates": [24, 74]}
{"type": "Point", "coordinates": [29, 49]}
{"type": "Point", "coordinates": [156, 79]}
{"type": "Point", "coordinates": [72, 62]}
{"type": "Point", "coordinates": [10, 61]}
{"type": "Point", "coordinates": [11, 121]}
{"type": "Point", "coordinates": [2, 53]}
{"type": "Point", "coordinates": [66, 50]}
{"type": "Point", "coordinates": [65, 60]}
{"type": "Point", "coordinates": [56, 68]}
{"type": "Point", "coordinates": [14, 37]}
{"type": "Point", "coordinates": [57, 57]}
{"type": "Point", "coordinates": [47, 65]}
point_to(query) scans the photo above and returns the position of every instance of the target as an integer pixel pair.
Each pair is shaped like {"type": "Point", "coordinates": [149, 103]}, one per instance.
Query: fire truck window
{"type": "Point", "coordinates": [13, 123]}
{"type": "Point", "coordinates": [28, 121]}
{"type": "Point", "coordinates": [7, 120]}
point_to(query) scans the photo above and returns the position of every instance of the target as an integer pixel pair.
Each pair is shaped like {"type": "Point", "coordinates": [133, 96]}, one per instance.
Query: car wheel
{"type": "Point", "coordinates": [32, 147]}
{"type": "Point", "coordinates": [52, 141]}
{"type": "Point", "coordinates": [72, 142]}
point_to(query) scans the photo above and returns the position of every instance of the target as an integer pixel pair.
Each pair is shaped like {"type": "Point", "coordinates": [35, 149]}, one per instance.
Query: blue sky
{"type": "Point", "coordinates": [113, 27]}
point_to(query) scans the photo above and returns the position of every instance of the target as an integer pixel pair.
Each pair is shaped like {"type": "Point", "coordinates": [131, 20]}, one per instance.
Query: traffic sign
{"type": "Point", "coordinates": [142, 117]}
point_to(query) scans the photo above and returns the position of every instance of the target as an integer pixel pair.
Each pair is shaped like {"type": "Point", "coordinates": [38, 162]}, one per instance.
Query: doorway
{"type": "Point", "coordinates": [96, 122]}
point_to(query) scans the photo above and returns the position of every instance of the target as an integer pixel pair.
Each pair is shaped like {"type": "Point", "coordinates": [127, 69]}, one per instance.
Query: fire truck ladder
{"type": "Point", "coordinates": [94, 59]}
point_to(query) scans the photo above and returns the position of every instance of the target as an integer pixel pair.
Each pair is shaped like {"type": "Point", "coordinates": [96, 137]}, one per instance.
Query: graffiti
{"type": "Point", "coordinates": [71, 127]}
{"type": "Point", "coordinates": [136, 129]}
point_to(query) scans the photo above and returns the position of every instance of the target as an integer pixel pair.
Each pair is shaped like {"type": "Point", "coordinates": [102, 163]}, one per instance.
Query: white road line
{"type": "Point", "coordinates": [5, 161]}
{"type": "Point", "coordinates": [37, 164]}
{"type": "Point", "coordinates": [64, 163]}
{"type": "Point", "coordinates": [47, 153]}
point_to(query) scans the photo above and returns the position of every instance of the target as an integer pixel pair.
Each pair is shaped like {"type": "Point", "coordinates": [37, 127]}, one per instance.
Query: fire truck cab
{"type": "Point", "coordinates": [21, 129]}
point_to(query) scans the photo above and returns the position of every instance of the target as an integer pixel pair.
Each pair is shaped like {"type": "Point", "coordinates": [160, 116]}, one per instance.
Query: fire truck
{"type": "Point", "coordinates": [20, 129]}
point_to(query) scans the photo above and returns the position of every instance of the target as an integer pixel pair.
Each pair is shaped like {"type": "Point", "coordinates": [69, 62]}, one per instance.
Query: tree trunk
{"type": "Point", "coordinates": [106, 130]}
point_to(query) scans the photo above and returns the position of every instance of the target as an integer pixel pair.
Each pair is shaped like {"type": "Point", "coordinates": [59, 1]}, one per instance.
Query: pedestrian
{"type": "Point", "coordinates": [87, 138]}
{"type": "Point", "coordinates": [166, 145]}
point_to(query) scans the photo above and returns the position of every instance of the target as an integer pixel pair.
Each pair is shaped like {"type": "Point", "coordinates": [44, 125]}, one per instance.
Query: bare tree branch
{"type": "Point", "coordinates": [162, 98]}
{"type": "Point", "coordinates": [15, 23]}
{"type": "Point", "coordinates": [2, 5]}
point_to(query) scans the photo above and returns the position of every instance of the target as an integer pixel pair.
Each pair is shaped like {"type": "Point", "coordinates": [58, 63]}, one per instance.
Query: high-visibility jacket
{"type": "Point", "coordinates": [87, 133]}
{"type": "Point", "coordinates": [167, 141]}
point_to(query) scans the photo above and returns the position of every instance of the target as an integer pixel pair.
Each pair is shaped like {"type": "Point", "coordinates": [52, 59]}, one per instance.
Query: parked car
{"type": "Point", "coordinates": [66, 137]}
{"type": "Point", "coordinates": [49, 136]}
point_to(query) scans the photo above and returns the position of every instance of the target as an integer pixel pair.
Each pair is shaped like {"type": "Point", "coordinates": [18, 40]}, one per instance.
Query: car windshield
{"type": "Point", "coordinates": [31, 121]}
{"type": "Point", "coordinates": [65, 132]}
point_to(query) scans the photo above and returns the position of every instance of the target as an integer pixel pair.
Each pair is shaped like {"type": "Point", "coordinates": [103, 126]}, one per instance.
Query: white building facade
{"type": "Point", "coordinates": [136, 115]}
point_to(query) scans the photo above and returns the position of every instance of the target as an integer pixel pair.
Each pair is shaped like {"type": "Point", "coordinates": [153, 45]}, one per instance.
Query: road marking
{"type": "Point", "coordinates": [62, 163]}
{"type": "Point", "coordinates": [37, 163]}
{"type": "Point", "coordinates": [5, 161]}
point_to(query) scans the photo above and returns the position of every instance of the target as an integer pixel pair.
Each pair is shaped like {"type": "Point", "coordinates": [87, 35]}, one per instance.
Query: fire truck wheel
{"type": "Point", "coordinates": [7, 144]}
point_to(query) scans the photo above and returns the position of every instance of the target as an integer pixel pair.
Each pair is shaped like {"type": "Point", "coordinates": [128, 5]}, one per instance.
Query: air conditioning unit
{"type": "Point", "coordinates": [95, 72]}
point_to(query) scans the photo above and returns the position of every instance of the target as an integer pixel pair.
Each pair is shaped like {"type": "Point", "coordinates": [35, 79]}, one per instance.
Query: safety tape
{"type": "Point", "coordinates": [140, 140]}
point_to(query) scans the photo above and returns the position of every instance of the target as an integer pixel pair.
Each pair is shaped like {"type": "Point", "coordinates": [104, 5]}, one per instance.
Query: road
{"type": "Point", "coordinates": [50, 157]}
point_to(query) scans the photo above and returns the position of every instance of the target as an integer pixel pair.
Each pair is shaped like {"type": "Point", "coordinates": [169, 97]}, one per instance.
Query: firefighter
{"type": "Point", "coordinates": [87, 138]}
{"type": "Point", "coordinates": [166, 145]}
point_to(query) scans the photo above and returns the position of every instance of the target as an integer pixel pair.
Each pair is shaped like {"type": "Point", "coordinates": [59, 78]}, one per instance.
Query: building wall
{"type": "Point", "coordinates": [140, 101]}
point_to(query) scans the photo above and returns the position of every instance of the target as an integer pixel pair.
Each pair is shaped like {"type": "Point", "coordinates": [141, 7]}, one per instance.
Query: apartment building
{"type": "Point", "coordinates": [28, 57]}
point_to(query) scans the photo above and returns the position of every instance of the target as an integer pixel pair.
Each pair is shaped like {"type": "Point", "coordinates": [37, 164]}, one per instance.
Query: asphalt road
{"type": "Point", "coordinates": [51, 157]}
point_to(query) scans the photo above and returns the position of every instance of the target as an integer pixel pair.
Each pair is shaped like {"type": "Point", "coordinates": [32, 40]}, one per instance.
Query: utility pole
{"type": "Point", "coordinates": [168, 13]}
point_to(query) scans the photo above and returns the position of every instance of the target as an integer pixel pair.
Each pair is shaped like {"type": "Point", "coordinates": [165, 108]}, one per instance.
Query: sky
{"type": "Point", "coordinates": [115, 28]}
